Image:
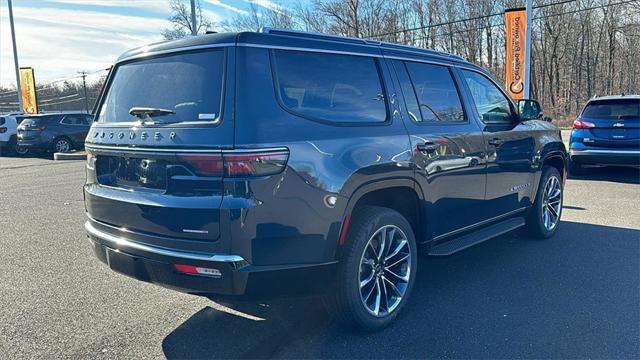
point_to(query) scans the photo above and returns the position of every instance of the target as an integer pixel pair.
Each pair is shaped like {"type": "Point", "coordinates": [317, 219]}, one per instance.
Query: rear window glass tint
{"type": "Point", "coordinates": [74, 119]}
{"type": "Point", "coordinates": [189, 84]}
{"type": "Point", "coordinates": [612, 109]}
{"type": "Point", "coordinates": [32, 121]}
{"type": "Point", "coordinates": [436, 93]}
{"type": "Point", "coordinates": [2, 121]}
{"type": "Point", "coordinates": [330, 87]}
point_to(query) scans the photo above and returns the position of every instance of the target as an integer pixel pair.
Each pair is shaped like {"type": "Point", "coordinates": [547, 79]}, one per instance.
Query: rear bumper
{"type": "Point", "coordinates": [606, 157]}
{"type": "Point", "coordinates": [237, 278]}
{"type": "Point", "coordinates": [36, 142]}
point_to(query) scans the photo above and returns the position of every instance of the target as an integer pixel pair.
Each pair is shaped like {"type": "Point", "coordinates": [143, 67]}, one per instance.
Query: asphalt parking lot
{"type": "Point", "coordinates": [574, 296]}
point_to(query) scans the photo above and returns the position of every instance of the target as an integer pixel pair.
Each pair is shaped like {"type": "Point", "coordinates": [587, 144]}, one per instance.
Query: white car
{"type": "Point", "coordinates": [8, 138]}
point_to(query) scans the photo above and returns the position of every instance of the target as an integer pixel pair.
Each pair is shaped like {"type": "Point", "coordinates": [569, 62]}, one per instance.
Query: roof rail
{"type": "Point", "coordinates": [354, 40]}
{"type": "Point", "coordinates": [316, 35]}
{"type": "Point", "coordinates": [420, 50]}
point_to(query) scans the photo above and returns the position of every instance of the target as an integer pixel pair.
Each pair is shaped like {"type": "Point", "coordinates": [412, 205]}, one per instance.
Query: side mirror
{"type": "Point", "coordinates": [529, 110]}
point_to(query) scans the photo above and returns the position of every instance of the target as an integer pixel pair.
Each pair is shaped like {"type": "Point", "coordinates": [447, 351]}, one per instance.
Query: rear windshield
{"type": "Point", "coordinates": [189, 84]}
{"type": "Point", "coordinates": [1, 121]}
{"type": "Point", "coordinates": [612, 109]}
{"type": "Point", "coordinates": [33, 121]}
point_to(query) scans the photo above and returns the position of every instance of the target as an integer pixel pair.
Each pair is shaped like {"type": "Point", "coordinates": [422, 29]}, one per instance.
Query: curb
{"type": "Point", "coordinates": [70, 156]}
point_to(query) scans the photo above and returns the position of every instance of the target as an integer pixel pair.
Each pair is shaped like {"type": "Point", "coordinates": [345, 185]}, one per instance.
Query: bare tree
{"type": "Point", "coordinates": [259, 17]}
{"type": "Point", "coordinates": [180, 19]}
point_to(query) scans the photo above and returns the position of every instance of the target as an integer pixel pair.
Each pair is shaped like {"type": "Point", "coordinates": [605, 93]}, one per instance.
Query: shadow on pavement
{"type": "Point", "coordinates": [616, 174]}
{"type": "Point", "coordinates": [573, 296]}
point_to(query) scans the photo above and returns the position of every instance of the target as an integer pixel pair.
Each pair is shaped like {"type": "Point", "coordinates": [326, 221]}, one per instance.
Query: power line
{"type": "Point", "coordinates": [50, 84]}
{"type": "Point", "coordinates": [461, 31]}
{"type": "Point", "coordinates": [463, 20]}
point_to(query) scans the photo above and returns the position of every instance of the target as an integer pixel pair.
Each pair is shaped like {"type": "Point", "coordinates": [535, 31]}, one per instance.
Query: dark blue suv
{"type": "Point", "coordinates": [606, 133]}
{"type": "Point", "coordinates": [54, 132]}
{"type": "Point", "coordinates": [286, 163]}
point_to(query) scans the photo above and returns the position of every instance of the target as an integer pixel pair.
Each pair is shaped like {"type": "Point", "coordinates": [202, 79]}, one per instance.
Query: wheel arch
{"type": "Point", "coordinates": [403, 195]}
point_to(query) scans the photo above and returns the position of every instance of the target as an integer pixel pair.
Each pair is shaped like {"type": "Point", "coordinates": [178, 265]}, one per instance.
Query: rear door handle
{"type": "Point", "coordinates": [496, 142]}
{"type": "Point", "coordinates": [428, 147]}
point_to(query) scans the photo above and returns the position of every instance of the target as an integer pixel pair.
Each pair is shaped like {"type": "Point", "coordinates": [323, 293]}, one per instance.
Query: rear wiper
{"type": "Point", "coordinates": [144, 112]}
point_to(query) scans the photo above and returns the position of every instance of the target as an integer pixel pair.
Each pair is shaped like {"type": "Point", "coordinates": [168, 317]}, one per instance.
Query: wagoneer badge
{"type": "Point", "coordinates": [120, 135]}
{"type": "Point", "coordinates": [132, 135]}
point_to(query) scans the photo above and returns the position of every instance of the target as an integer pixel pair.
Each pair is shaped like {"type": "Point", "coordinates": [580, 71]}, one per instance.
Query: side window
{"type": "Point", "coordinates": [492, 105]}
{"type": "Point", "coordinates": [2, 121]}
{"type": "Point", "coordinates": [87, 120]}
{"type": "Point", "coordinates": [73, 120]}
{"type": "Point", "coordinates": [331, 87]}
{"type": "Point", "coordinates": [410, 99]}
{"type": "Point", "coordinates": [436, 93]}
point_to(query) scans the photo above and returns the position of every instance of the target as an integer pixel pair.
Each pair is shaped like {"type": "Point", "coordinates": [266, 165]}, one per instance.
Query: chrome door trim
{"type": "Point", "coordinates": [481, 223]}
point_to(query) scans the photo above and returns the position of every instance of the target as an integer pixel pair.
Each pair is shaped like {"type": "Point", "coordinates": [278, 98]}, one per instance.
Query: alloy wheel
{"type": "Point", "coordinates": [63, 145]}
{"type": "Point", "coordinates": [551, 203]}
{"type": "Point", "coordinates": [20, 150]}
{"type": "Point", "coordinates": [385, 269]}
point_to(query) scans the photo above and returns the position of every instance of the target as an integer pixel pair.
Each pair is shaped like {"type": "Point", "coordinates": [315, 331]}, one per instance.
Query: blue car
{"type": "Point", "coordinates": [283, 163]}
{"type": "Point", "coordinates": [606, 133]}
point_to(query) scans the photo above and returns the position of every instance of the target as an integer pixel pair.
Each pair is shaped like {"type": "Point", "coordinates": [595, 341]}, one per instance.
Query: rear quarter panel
{"type": "Point", "coordinates": [290, 212]}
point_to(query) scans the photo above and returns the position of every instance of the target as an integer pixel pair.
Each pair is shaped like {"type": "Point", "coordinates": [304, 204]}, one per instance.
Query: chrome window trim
{"type": "Point", "coordinates": [306, 49]}
{"type": "Point", "coordinates": [120, 242]}
{"type": "Point", "coordinates": [175, 50]}
{"type": "Point", "coordinates": [451, 62]}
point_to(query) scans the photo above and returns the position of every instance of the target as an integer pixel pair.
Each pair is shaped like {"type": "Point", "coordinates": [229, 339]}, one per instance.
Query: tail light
{"type": "Point", "coordinates": [3, 130]}
{"type": "Point", "coordinates": [198, 270]}
{"type": "Point", "coordinates": [205, 165]}
{"type": "Point", "coordinates": [238, 164]}
{"type": "Point", "coordinates": [581, 124]}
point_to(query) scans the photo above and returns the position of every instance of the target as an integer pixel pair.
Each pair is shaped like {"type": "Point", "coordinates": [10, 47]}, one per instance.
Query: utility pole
{"type": "Point", "coordinates": [84, 85]}
{"type": "Point", "coordinates": [528, 57]}
{"type": "Point", "coordinates": [15, 58]}
{"type": "Point", "coordinates": [194, 27]}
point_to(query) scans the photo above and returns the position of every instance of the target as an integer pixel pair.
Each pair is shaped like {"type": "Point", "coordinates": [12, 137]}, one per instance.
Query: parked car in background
{"type": "Point", "coordinates": [8, 133]}
{"type": "Point", "coordinates": [59, 132]}
{"type": "Point", "coordinates": [279, 163]}
{"type": "Point", "coordinates": [607, 132]}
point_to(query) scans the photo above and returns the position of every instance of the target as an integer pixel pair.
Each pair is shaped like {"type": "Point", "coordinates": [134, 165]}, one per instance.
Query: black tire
{"type": "Point", "coordinates": [18, 150]}
{"type": "Point", "coordinates": [575, 169]}
{"type": "Point", "coordinates": [345, 302]}
{"type": "Point", "coordinates": [62, 143]}
{"type": "Point", "coordinates": [536, 218]}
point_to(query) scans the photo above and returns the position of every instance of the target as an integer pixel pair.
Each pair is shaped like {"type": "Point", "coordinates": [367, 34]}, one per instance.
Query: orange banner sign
{"type": "Point", "coordinates": [28, 84]}
{"type": "Point", "coordinates": [516, 23]}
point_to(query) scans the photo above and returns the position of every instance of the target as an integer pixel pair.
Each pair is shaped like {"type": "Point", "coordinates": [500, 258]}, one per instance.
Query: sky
{"type": "Point", "coordinates": [58, 38]}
